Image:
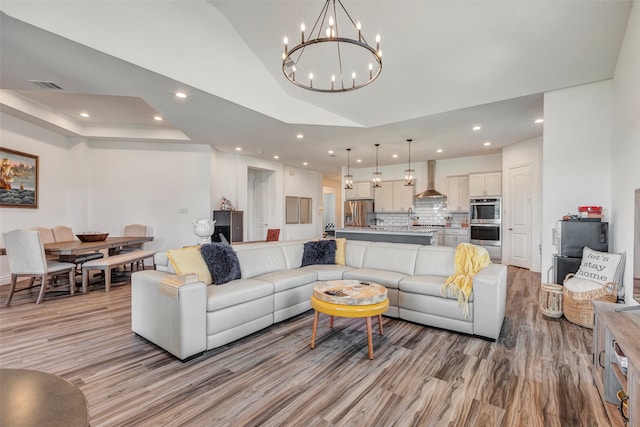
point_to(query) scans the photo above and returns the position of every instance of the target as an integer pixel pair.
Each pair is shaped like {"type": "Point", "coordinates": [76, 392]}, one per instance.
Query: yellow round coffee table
{"type": "Point", "coordinates": [349, 298]}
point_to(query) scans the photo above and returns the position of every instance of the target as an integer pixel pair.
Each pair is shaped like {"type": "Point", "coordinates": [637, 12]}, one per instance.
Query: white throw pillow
{"type": "Point", "coordinates": [601, 267]}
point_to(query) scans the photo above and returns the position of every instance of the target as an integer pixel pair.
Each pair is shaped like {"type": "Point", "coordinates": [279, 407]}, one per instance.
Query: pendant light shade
{"type": "Point", "coordinates": [348, 178]}
{"type": "Point", "coordinates": [376, 182]}
{"type": "Point", "coordinates": [409, 174]}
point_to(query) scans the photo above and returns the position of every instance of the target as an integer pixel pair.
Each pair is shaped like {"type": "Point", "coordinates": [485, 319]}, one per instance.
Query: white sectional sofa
{"type": "Point", "coordinates": [275, 287]}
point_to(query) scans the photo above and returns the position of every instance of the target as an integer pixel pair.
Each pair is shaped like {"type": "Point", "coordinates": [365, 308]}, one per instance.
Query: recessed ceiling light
{"type": "Point", "coordinates": [85, 114]}
{"type": "Point", "coordinates": [276, 157]}
{"type": "Point", "coordinates": [359, 161]}
{"type": "Point", "coordinates": [330, 151]}
{"type": "Point", "coordinates": [486, 144]}
{"type": "Point", "coordinates": [181, 94]}
{"type": "Point", "coordinates": [299, 136]}
{"type": "Point", "coordinates": [536, 121]}
{"type": "Point", "coordinates": [395, 156]}
{"type": "Point", "coordinates": [157, 118]}
{"type": "Point", "coordinates": [304, 163]}
{"type": "Point", "coordinates": [439, 150]}
{"type": "Point", "coordinates": [259, 151]}
{"type": "Point", "coordinates": [476, 128]}
{"type": "Point", "coordinates": [238, 148]}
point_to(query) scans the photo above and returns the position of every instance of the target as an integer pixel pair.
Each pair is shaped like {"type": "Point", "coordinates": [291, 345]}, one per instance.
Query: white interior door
{"type": "Point", "coordinates": [260, 208]}
{"type": "Point", "coordinates": [518, 230]}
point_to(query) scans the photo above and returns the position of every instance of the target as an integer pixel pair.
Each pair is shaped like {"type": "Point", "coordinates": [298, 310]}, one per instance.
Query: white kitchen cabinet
{"type": "Point", "coordinates": [485, 184]}
{"type": "Point", "coordinates": [360, 190]}
{"type": "Point", "coordinates": [455, 236]}
{"type": "Point", "coordinates": [393, 196]}
{"type": "Point", "coordinates": [458, 193]}
{"type": "Point", "coordinates": [383, 198]}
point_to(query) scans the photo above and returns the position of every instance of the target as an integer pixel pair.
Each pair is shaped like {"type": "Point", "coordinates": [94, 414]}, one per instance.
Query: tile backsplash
{"type": "Point", "coordinates": [428, 211]}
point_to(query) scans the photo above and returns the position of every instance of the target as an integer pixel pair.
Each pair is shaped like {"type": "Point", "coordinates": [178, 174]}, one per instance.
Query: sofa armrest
{"type": "Point", "coordinates": [489, 300]}
{"type": "Point", "coordinates": [177, 323]}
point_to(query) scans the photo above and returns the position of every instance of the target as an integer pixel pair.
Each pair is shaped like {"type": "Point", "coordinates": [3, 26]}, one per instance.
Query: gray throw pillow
{"type": "Point", "coordinates": [222, 262]}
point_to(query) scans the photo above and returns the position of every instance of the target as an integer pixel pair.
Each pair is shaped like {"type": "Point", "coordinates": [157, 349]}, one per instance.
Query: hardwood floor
{"type": "Point", "coordinates": [536, 374]}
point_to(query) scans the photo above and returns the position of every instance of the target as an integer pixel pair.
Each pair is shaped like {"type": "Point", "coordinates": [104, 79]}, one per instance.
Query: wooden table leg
{"type": "Point", "coordinates": [380, 323]}
{"type": "Point", "coordinates": [315, 329]}
{"type": "Point", "coordinates": [369, 338]}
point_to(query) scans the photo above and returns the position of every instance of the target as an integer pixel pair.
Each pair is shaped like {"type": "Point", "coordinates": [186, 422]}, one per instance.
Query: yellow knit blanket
{"type": "Point", "coordinates": [469, 259]}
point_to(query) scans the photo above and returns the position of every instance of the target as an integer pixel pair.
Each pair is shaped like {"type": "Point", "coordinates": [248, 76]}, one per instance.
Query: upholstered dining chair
{"type": "Point", "coordinates": [26, 257]}
{"type": "Point", "coordinates": [273, 234]}
{"type": "Point", "coordinates": [134, 230]}
{"type": "Point", "coordinates": [62, 233]}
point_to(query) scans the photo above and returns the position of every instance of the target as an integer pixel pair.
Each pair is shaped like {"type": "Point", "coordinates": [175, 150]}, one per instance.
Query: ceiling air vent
{"type": "Point", "coordinates": [46, 84]}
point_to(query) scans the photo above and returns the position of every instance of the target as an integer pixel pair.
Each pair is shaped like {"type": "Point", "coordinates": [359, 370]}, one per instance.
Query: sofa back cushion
{"type": "Point", "coordinates": [260, 259]}
{"type": "Point", "coordinates": [354, 252]}
{"type": "Point", "coordinates": [435, 261]}
{"type": "Point", "coordinates": [397, 257]}
{"type": "Point", "coordinates": [293, 250]}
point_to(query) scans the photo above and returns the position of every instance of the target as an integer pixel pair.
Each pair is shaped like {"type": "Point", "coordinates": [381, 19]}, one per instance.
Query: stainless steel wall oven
{"type": "Point", "coordinates": [485, 210]}
{"type": "Point", "coordinates": [485, 225]}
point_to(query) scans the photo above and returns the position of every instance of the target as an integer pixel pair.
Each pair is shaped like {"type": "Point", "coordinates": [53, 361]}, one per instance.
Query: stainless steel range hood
{"type": "Point", "coordinates": [431, 182]}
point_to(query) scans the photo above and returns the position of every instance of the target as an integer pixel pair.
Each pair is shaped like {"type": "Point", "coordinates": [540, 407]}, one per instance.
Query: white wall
{"type": "Point", "coordinates": [576, 156]}
{"type": "Point", "coordinates": [164, 186]}
{"type": "Point", "coordinates": [625, 170]}
{"type": "Point", "coordinates": [526, 152]}
{"type": "Point", "coordinates": [61, 194]}
{"type": "Point", "coordinates": [304, 183]}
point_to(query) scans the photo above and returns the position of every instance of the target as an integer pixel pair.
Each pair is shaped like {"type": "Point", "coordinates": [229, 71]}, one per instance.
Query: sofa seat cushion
{"type": "Point", "coordinates": [388, 279]}
{"type": "Point", "coordinates": [287, 279]}
{"type": "Point", "coordinates": [427, 285]}
{"type": "Point", "coordinates": [237, 292]}
{"type": "Point", "coordinates": [328, 271]}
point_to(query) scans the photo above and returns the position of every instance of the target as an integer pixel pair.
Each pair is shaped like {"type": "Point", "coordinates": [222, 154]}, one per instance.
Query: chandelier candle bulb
{"type": "Point", "coordinates": [302, 28]}
{"type": "Point", "coordinates": [378, 42]}
{"type": "Point", "coordinates": [359, 28]}
{"type": "Point", "coordinates": [353, 77]}
{"type": "Point", "coordinates": [286, 49]}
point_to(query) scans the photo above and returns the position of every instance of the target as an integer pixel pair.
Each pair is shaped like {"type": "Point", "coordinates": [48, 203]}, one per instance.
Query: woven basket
{"type": "Point", "coordinates": [551, 299]}
{"type": "Point", "coordinates": [577, 306]}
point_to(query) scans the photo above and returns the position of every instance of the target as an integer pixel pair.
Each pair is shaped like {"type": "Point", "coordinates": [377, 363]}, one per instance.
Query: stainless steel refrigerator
{"type": "Point", "coordinates": [570, 238]}
{"type": "Point", "coordinates": [358, 213]}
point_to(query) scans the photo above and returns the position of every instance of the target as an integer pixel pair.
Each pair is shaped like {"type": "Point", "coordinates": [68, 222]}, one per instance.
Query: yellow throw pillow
{"type": "Point", "coordinates": [341, 250]}
{"type": "Point", "coordinates": [189, 260]}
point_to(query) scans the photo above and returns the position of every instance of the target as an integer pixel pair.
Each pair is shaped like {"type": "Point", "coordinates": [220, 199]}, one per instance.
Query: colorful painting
{"type": "Point", "coordinates": [18, 179]}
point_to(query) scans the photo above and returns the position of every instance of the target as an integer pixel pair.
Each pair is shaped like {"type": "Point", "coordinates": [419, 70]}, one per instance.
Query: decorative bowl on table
{"type": "Point", "coordinates": [92, 236]}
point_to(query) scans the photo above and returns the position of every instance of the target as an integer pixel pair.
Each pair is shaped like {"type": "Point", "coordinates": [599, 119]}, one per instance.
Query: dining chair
{"type": "Point", "coordinates": [134, 230]}
{"type": "Point", "coordinates": [26, 257]}
{"type": "Point", "coordinates": [62, 233]}
{"type": "Point", "coordinates": [273, 234]}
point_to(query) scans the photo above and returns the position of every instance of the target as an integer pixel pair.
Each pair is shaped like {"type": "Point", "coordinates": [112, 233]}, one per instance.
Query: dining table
{"type": "Point", "coordinates": [68, 251]}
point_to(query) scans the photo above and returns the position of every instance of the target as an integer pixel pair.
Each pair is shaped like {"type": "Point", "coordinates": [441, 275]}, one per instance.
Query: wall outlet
{"type": "Point", "coordinates": [183, 211]}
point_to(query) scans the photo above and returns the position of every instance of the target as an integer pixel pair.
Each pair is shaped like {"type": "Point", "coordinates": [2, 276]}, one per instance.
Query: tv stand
{"type": "Point", "coordinates": [623, 328]}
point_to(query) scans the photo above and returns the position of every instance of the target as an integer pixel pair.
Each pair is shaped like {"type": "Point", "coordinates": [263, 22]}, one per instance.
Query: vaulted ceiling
{"type": "Point", "coordinates": [447, 66]}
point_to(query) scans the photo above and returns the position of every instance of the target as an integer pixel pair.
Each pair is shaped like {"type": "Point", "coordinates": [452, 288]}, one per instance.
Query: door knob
{"type": "Point", "coordinates": [510, 229]}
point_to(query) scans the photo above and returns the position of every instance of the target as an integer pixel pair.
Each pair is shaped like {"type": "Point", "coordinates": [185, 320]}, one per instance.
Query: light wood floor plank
{"type": "Point", "coordinates": [536, 374]}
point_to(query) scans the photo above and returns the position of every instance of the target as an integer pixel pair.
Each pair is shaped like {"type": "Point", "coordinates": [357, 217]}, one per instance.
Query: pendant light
{"type": "Point", "coordinates": [377, 176]}
{"type": "Point", "coordinates": [409, 174]}
{"type": "Point", "coordinates": [348, 178]}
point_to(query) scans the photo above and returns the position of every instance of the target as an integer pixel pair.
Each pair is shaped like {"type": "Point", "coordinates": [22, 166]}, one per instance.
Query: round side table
{"type": "Point", "coordinates": [32, 398]}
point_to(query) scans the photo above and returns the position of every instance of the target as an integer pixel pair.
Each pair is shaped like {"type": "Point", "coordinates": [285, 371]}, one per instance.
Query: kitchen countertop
{"type": "Point", "coordinates": [400, 230]}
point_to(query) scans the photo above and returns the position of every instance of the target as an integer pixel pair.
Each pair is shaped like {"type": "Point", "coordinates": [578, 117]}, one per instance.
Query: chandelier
{"type": "Point", "coordinates": [409, 174]}
{"type": "Point", "coordinates": [348, 178]}
{"type": "Point", "coordinates": [336, 59]}
{"type": "Point", "coordinates": [377, 176]}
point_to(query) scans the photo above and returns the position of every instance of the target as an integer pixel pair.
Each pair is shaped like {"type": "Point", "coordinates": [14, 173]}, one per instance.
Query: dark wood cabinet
{"type": "Point", "coordinates": [228, 224]}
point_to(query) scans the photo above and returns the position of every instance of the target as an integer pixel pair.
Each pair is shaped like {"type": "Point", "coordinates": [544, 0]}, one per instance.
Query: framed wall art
{"type": "Point", "coordinates": [18, 179]}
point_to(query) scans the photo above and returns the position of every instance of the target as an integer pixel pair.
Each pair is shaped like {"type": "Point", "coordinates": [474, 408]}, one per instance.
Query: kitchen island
{"type": "Point", "coordinates": [416, 235]}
